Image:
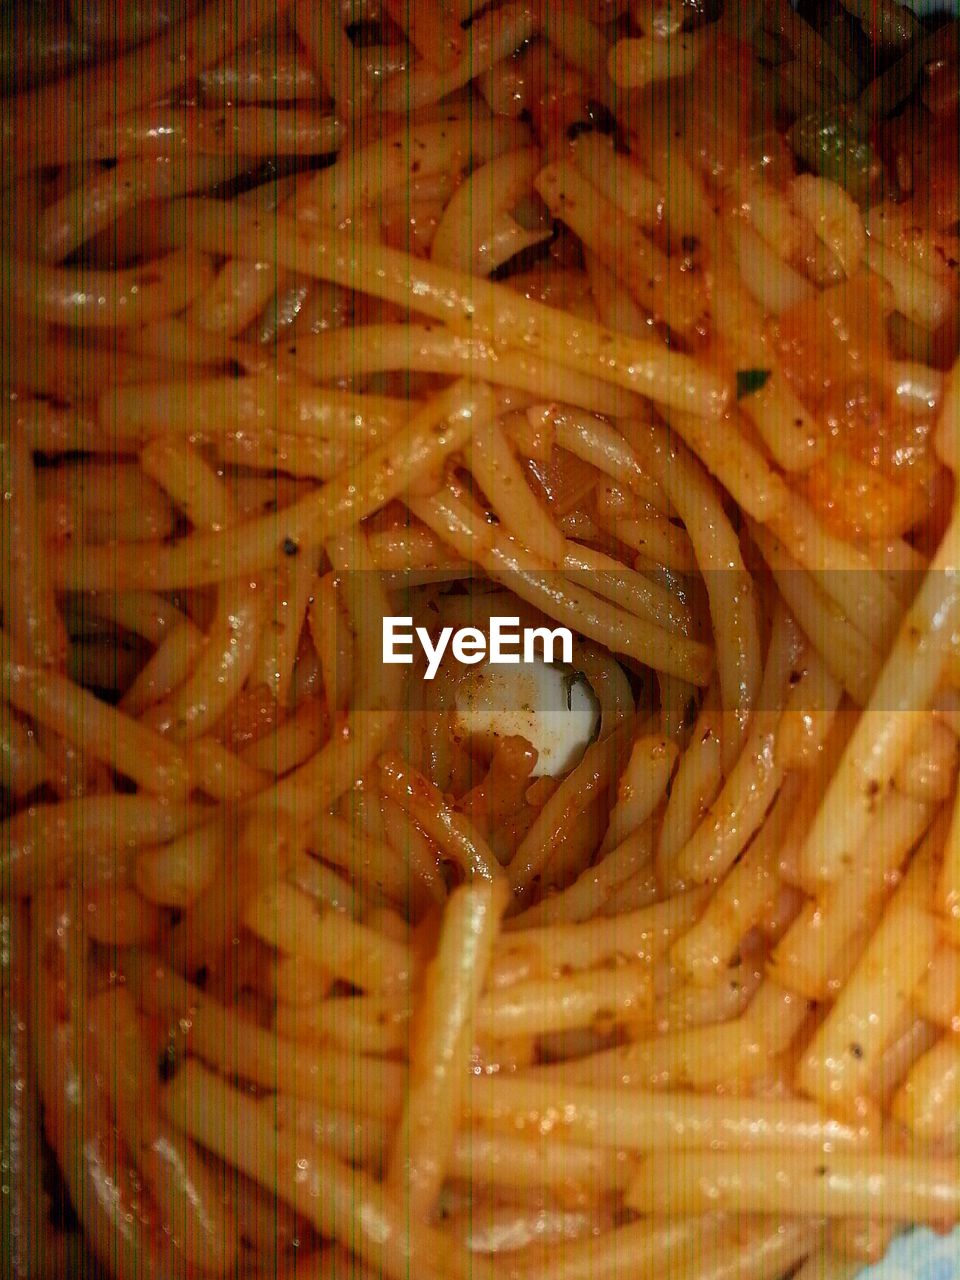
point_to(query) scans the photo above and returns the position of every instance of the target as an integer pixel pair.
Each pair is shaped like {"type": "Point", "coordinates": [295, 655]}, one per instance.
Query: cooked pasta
{"type": "Point", "coordinates": [631, 322]}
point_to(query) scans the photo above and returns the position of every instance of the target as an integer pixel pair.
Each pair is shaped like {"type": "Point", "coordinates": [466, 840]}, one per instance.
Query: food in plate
{"type": "Point", "coordinates": [636, 321]}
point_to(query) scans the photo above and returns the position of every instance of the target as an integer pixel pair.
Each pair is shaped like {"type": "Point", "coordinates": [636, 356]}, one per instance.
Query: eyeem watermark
{"type": "Point", "coordinates": [506, 642]}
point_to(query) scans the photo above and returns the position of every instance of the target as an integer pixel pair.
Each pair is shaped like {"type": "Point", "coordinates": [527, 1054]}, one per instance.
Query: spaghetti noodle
{"type": "Point", "coordinates": [635, 318]}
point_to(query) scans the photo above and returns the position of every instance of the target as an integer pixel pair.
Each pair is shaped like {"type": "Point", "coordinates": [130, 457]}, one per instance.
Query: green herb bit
{"type": "Point", "coordinates": [751, 380]}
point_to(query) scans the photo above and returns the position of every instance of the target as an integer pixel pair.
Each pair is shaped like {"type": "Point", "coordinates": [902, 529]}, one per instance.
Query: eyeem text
{"type": "Point", "coordinates": [506, 642]}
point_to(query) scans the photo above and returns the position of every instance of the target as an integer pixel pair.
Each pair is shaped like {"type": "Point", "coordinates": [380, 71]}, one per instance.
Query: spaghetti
{"type": "Point", "coordinates": [635, 318]}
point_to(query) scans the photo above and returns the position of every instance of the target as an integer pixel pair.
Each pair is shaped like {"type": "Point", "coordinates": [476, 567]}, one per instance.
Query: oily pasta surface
{"type": "Point", "coordinates": [638, 319]}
